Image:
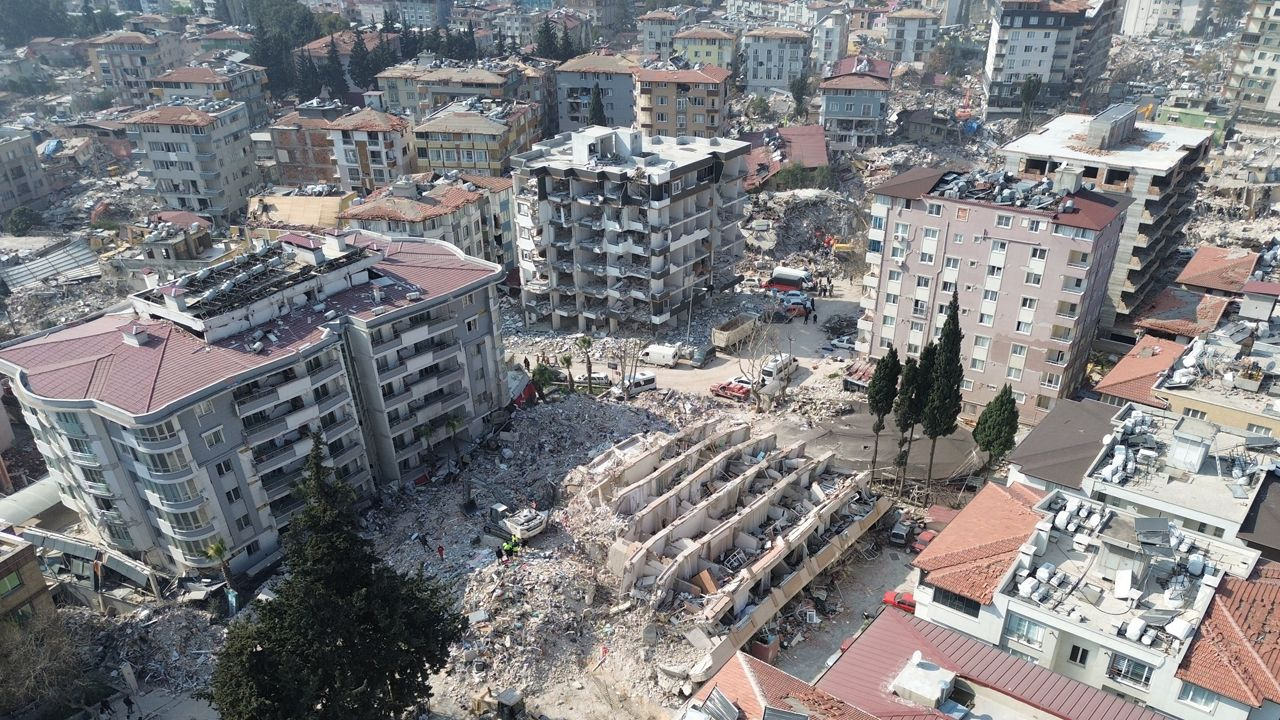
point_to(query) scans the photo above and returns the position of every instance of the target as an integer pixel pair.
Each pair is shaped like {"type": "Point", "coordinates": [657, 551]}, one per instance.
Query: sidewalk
{"type": "Point", "coordinates": [157, 704]}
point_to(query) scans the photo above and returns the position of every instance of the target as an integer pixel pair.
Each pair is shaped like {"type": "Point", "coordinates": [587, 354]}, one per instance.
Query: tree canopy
{"type": "Point", "coordinates": [881, 392]}
{"type": "Point", "coordinates": [997, 425]}
{"type": "Point", "coordinates": [596, 115]}
{"type": "Point", "coordinates": [943, 408]}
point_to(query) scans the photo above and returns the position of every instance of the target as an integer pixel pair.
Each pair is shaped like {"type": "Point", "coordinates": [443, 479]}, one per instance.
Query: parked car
{"type": "Point", "coordinates": [744, 381]}
{"type": "Point", "coordinates": [902, 532]}
{"type": "Point", "coordinates": [558, 375]}
{"type": "Point", "coordinates": [642, 381]}
{"type": "Point", "coordinates": [598, 379]}
{"type": "Point", "coordinates": [775, 315]}
{"type": "Point", "coordinates": [702, 355]}
{"type": "Point", "coordinates": [902, 600]}
{"type": "Point", "coordinates": [794, 296]}
{"type": "Point", "coordinates": [731, 391]}
{"type": "Point", "coordinates": [923, 540]}
{"type": "Point", "coordinates": [843, 343]}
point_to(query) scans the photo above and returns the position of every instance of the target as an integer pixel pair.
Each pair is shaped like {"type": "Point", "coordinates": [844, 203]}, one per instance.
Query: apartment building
{"type": "Point", "coordinates": [123, 61]}
{"type": "Point", "coordinates": [423, 89]}
{"type": "Point", "coordinates": [429, 14]}
{"type": "Point", "coordinates": [197, 155]}
{"type": "Point", "coordinates": [370, 149]}
{"type": "Point", "coordinates": [773, 56]}
{"type": "Point", "coordinates": [1252, 81]}
{"type": "Point", "coordinates": [830, 39]}
{"type": "Point", "coordinates": [300, 142]}
{"type": "Point", "coordinates": [189, 417]}
{"type": "Point", "coordinates": [1162, 17]}
{"type": "Point", "coordinates": [1029, 265]}
{"type": "Point", "coordinates": [658, 27]}
{"type": "Point", "coordinates": [613, 73]}
{"type": "Point", "coordinates": [672, 100]}
{"type": "Point", "coordinates": [854, 110]}
{"type": "Point", "coordinates": [22, 177]}
{"type": "Point", "coordinates": [613, 226]}
{"type": "Point", "coordinates": [911, 34]}
{"type": "Point", "coordinates": [226, 39]}
{"type": "Point", "coordinates": [476, 136]}
{"type": "Point", "coordinates": [1065, 45]}
{"type": "Point", "coordinates": [606, 16]}
{"type": "Point", "coordinates": [707, 45]}
{"type": "Point", "coordinates": [223, 79]}
{"type": "Point", "coordinates": [806, 14]}
{"type": "Point", "coordinates": [1156, 165]}
{"type": "Point", "coordinates": [23, 592]}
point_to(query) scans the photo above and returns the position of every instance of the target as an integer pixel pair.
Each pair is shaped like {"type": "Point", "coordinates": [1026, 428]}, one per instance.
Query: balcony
{"type": "Point", "coordinates": [71, 429]}
{"type": "Point", "coordinates": [111, 516]}
{"type": "Point", "coordinates": [159, 444]}
{"type": "Point", "coordinates": [390, 401]}
{"type": "Point", "coordinates": [441, 405]}
{"type": "Point", "coordinates": [323, 374]}
{"type": "Point", "coordinates": [434, 381]}
{"type": "Point", "coordinates": [281, 456]}
{"type": "Point", "coordinates": [82, 458]}
{"type": "Point", "coordinates": [357, 478]}
{"type": "Point", "coordinates": [167, 475]}
{"type": "Point", "coordinates": [380, 347]}
{"type": "Point", "coordinates": [348, 454]}
{"type": "Point", "coordinates": [281, 485]}
{"type": "Point", "coordinates": [97, 488]}
{"type": "Point", "coordinates": [259, 433]}
{"type": "Point", "coordinates": [391, 373]}
{"type": "Point", "coordinates": [331, 401]}
{"type": "Point", "coordinates": [192, 533]}
{"type": "Point", "coordinates": [340, 428]}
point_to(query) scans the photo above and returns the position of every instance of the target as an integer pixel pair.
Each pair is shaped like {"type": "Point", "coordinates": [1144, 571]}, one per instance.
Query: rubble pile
{"type": "Point", "coordinates": [167, 645]}
{"type": "Point", "coordinates": [32, 309]}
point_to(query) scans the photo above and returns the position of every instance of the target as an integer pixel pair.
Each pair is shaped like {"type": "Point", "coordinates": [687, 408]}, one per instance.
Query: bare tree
{"type": "Point", "coordinates": [43, 665]}
{"type": "Point", "coordinates": [756, 350]}
{"type": "Point", "coordinates": [627, 356]}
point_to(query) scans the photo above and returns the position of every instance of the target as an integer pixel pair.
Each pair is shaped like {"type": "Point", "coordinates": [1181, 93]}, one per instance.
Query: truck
{"type": "Point", "coordinates": [785, 278]}
{"type": "Point", "coordinates": [729, 334]}
{"type": "Point", "coordinates": [662, 355]}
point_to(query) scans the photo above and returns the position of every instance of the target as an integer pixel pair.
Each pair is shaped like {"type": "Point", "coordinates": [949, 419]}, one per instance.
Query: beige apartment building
{"type": "Point", "coordinates": [22, 177]}
{"type": "Point", "coordinates": [370, 149]}
{"type": "Point", "coordinates": [675, 101]}
{"type": "Point", "coordinates": [421, 90]}
{"type": "Point", "coordinates": [476, 135]}
{"type": "Point", "coordinates": [123, 61]}
{"type": "Point", "coordinates": [224, 79]}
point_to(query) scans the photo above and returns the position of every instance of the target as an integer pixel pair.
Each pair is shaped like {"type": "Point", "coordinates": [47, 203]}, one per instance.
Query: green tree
{"type": "Point", "coordinates": [758, 107]}
{"type": "Point", "coordinates": [565, 49]}
{"type": "Point", "coordinates": [346, 637]}
{"type": "Point", "coordinates": [881, 392]}
{"type": "Point", "coordinates": [45, 664]}
{"type": "Point", "coordinates": [272, 51]}
{"type": "Point", "coordinates": [383, 57]}
{"type": "Point", "coordinates": [566, 362]}
{"type": "Point", "coordinates": [997, 426]}
{"type": "Point", "coordinates": [943, 408]}
{"type": "Point", "coordinates": [908, 408]}
{"type": "Point", "coordinates": [546, 40]}
{"type": "Point", "coordinates": [222, 12]}
{"type": "Point", "coordinates": [89, 18]}
{"type": "Point", "coordinates": [595, 115]}
{"type": "Point", "coordinates": [543, 377]}
{"type": "Point", "coordinates": [584, 344]}
{"type": "Point", "coordinates": [25, 19]}
{"type": "Point", "coordinates": [332, 74]}
{"type": "Point", "coordinates": [800, 94]}
{"type": "Point", "coordinates": [359, 66]}
{"type": "Point", "coordinates": [1027, 93]}
{"type": "Point", "coordinates": [390, 18]}
{"type": "Point", "coordinates": [20, 220]}
{"type": "Point", "coordinates": [306, 77]}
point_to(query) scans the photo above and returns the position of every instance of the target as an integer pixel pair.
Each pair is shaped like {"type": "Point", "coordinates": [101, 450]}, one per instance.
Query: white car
{"type": "Point", "coordinates": [743, 380]}
{"type": "Point", "coordinates": [794, 297]}
{"type": "Point", "coordinates": [843, 343]}
{"type": "Point", "coordinates": [598, 379]}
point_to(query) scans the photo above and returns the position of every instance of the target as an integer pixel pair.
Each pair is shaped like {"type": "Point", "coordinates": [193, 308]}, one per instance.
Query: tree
{"type": "Point", "coordinates": [997, 426]}
{"type": "Point", "coordinates": [543, 377]}
{"type": "Point", "coordinates": [596, 114]}
{"type": "Point", "coordinates": [800, 94]}
{"type": "Point", "coordinates": [89, 18]}
{"type": "Point", "coordinates": [943, 408]}
{"type": "Point", "coordinates": [273, 51]}
{"type": "Point", "coordinates": [221, 554]}
{"type": "Point", "coordinates": [565, 49]}
{"type": "Point", "coordinates": [360, 67]}
{"type": "Point", "coordinates": [383, 57]}
{"type": "Point", "coordinates": [759, 107]}
{"type": "Point", "coordinates": [45, 665]}
{"type": "Point", "coordinates": [566, 362]}
{"type": "Point", "coordinates": [20, 221]}
{"type": "Point", "coordinates": [1027, 93]}
{"type": "Point", "coordinates": [25, 19]}
{"type": "Point", "coordinates": [389, 17]}
{"type": "Point", "coordinates": [881, 392]}
{"type": "Point", "coordinates": [546, 40]}
{"type": "Point", "coordinates": [222, 12]}
{"type": "Point", "coordinates": [584, 344]}
{"type": "Point", "coordinates": [306, 77]}
{"type": "Point", "coordinates": [332, 74]}
{"type": "Point", "coordinates": [904, 417]}
{"type": "Point", "coordinates": [346, 636]}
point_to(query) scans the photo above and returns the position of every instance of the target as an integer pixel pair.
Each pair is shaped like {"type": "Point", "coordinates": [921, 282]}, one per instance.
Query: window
{"type": "Point", "coordinates": [243, 523]}
{"type": "Point", "coordinates": [978, 365]}
{"type": "Point", "coordinates": [922, 281]}
{"type": "Point", "coordinates": [1039, 253]}
{"type": "Point", "coordinates": [1023, 328]}
{"type": "Point", "coordinates": [1024, 631]}
{"type": "Point", "coordinates": [957, 238]}
{"type": "Point", "coordinates": [981, 342]}
{"type": "Point", "coordinates": [886, 343]}
{"type": "Point", "coordinates": [1034, 279]}
{"type": "Point", "coordinates": [1017, 350]}
{"type": "Point", "coordinates": [935, 209]}
{"type": "Point", "coordinates": [1028, 303]}
{"type": "Point", "coordinates": [994, 271]}
{"type": "Point", "coordinates": [966, 384]}
{"type": "Point", "coordinates": [204, 408]}
{"type": "Point", "coordinates": [1198, 696]}
{"type": "Point", "coordinates": [1259, 430]}
{"type": "Point", "coordinates": [962, 214]}
{"type": "Point", "coordinates": [948, 287]}
{"type": "Point", "coordinates": [931, 233]}
{"type": "Point", "coordinates": [999, 246]}
{"type": "Point", "coordinates": [1193, 413]}
{"type": "Point", "coordinates": [959, 603]}
{"type": "Point", "coordinates": [1018, 653]}
{"type": "Point", "coordinates": [895, 275]}
{"type": "Point", "coordinates": [897, 252]}
{"type": "Point", "coordinates": [163, 431]}
{"type": "Point", "coordinates": [990, 295]}
{"type": "Point", "coordinates": [1035, 225]}
{"type": "Point", "coordinates": [917, 327]}
{"type": "Point", "coordinates": [10, 582]}
{"type": "Point", "coordinates": [890, 298]}
{"type": "Point", "coordinates": [919, 308]}
{"type": "Point", "coordinates": [223, 468]}
{"type": "Point", "coordinates": [1050, 380]}
{"type": "Point", "coordinates": [1079, 655]}
{"type": "Point", "coordinates": [951, 263]}
{"type": "Point", "coordinates": [1013, 373]}
{"type": "Point", "coordinates": [986, 319]}
{"type": "Point", "coordinates": [233, 494]}
{"type": "Point", "coordinates": [888, 321]}
{"type": "Point", "coordinates": [213, 438]}
{"type": "Point", "coordinates": [1004, 221]}
{"type": "Point", "coordinates": [901, 230]}
{"type": "Point", "coordinates": [877, 222]}
{"type": "Point", "coordinates": [926, 258]}
{"type": "Point", "coordinates": [1129, 671]}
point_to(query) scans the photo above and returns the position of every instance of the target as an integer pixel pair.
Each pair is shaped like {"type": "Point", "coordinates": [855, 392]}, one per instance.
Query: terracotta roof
{"type": "Point", "coordinates": [703, 33]}
{"type": "Point", "coordinates": [1219, 268]}
{"type": "Point", "coordinates": [1181, 312]}
{"type": "Point", "coordinates": [1262, 287]}
{"type": "Point", "coordinates": [863, 674]}
{"type": "Point", "coordinates": [462, 121]}
{"type": "Point", "coordinates": [805, 145]}
{"type": "Point", "coordinates": [1236, 652]}
{"type": "Point", "coordinates": [914, 14]}
{"type": "Point", "coordinates": [172, 115]}
{"type": "Point", "coordinates": [345, 40]}
{"type": "Point", "coordinates": [1062, 447]}
{"type": "Point", "coordinates": [123, 36]}
{"type": "Point", "coordinates": [778, 32]}
{"type": "Point", "coordinates": [974, 552]}
{"type": "Point", "coordinates": [198, 74]}
{"type": "Point", "coordinates": [705, 74]}
{"type": "Point", "coordinates": [370, 120]}
{"type": "Point", "coordinates": [854, 82]}
{"type": "Point", "coordinates": [294, 119]}
{"type": "Point", "coordinates": [912, 184]}
{"type": "Point", "coordinates": [863, 65]}
{"type": "Point", "coordinates": [761, 165]}
{"type": "Point", "coordinates": [1137, 372]}
{"type": "Point", "coordinates": [228, 35]}
{"type": "Point", "coordinates": [441, 201]}
{"type": "Point", "coordinates": [1093, 210]}
{"type": "Point", "coordinates": [601, 62]}
{"type": "Point", "coordinates": [753, 685]}
{"type": "Point", "coordinates": [494, 184]}
{"type": "Point", "coordinates": [658, 15]}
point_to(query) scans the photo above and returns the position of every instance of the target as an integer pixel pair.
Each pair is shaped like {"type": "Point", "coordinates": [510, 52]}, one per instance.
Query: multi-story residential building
{"type": "Point", "coordinates": [300, 142]}
{"type": "Point", "coordinates": [226, 39]}
{"type": "Point", "coordinates": [830, 39]}
{"type": "Point", "coordinates": [190, 416]}
{"type": "Point", "coordinates": [659, 26]}
{"type": "Point", "coordinates": [470, 213]}
{"type": "Point", "coordinates": [370, 149]}
{"type": "Point", "coordinates": [429, 14]}
{"type": "Point", "coordinates": [1065, 45]}
{"type": "Point", "coordinates": [197, 155]}
{"type": "Point", "coordinates": [706, 44]}
{"type": "Point", "coordinates": [23, 591]}
{"type": "Point", "coordinates": [807, 14]}
{"type": "Point", "coordinates": [421, 90]}
{"type": "Point", "coordinates": [221, 80]}
{"type": "Point", "coordinates": [1194, 111]}
{"type": "Point", "coordinates": [773, 56]}
{"type": "Point", "coordinates": [1156, 165]}
{"type": "Point", "coordinates": [681, 101]}
{"type": "Point", "coordinates": [854, 110]}
{"type": "Point", "coordinates": [911, 34]}
{"type": "Point", "coordinates": [613, 226]}
{"type": "Point", "coordinates": [606, 16]}
{"type": "Point", "coordinates": [22, 177]}
{"type": "Point", "coordinates": [476, 136]}
{"type": "Point", "coordinates": [1028, 264]}
{"type": "Point", "coordinates": [1162, 17]}
{"type": "Point", "coordinates": [124, 60]}
{"type": "Point", "coordinates": [613, 73]}
{"type": "Point", "coordinates": [345, 40]}
{"type": "Point", "coordinates": [1252, 83]}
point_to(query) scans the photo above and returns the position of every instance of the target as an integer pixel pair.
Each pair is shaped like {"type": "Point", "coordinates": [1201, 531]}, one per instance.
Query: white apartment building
{"type": "Point", "coordinates": [197, 154]}
{"type": "Point", "coordinates": [806, 14]}
{"type": "Point", "coordinates": [1161, 17]}
{"type": "Point", "coordinates": [188, 417]}
{"type": "Point", "coordinates": [22, 177]}
{"type": "Point", "coordinates": [773, 57]}
{"type": "Point", "coordinates": [1252, 83]}
{"type": "Point", "coordinates": [124, 60]}
{"type": "Point", "coordinates": [613, 226]}
{"type": "Point", "coordinates": [830, 39]}
{"type": "Point", "coordinates": [656, 29]}
{"type": "Point", "coordinates": [370, 148]}
{"type": "Point", "coordinates": [223, 79]}
{"type": "Point", "coordinates": [428, 14]}
{"type": "Point", "coordinates": [911, 34]}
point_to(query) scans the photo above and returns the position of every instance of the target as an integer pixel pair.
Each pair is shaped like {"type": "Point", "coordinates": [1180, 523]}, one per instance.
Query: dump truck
{"type": "Point", "coordinates": [729, 334]}
{"type": "Point", "coordinates": [504, 524]}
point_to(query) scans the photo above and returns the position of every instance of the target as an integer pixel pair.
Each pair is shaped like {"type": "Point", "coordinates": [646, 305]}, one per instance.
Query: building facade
{"type": "Point", "coordinates": [23, 592]}
{"type": "Point", "coordinates": [22, 177]}
{"type": "Point", "coordinates": [657, 28]}
{"type": "Point", "coordinates": [429, 14]}
{"type": "Point", "coordinates": [370, 149]}
{"type": "Point", "coordinates": [613, 73]}
{"type": "Point", "coordinates": [606, 16]}
{"type": "Point", "coordinates": [384, 359]}
{"type": "Point", "coordinates": [123, 61]}
{"type": "Point", "coordinates": [911, 34]}
{"type": "Point", "coordinates": [300, 142]}
{"type": "Point", "coordinates": [1031, 279]}
{"type": "Point", "coordinates": [223, 80]}
{"type": "Point", "coordinates": [1252, 83]}
{"type": "Point", "coordinates": [344, 41]}
{"type": "Point", "coordinates": [197, 155]}
{"type": "Point", "coordinates": [476, 136]}
{"type": "Point", "coordinates": [421, 90]}
{"type": "Point", "coordinates": [854, 110]}
{"type": "Point", "coordinates": [708, 45]}
{"type": "Point", "coordinates": [671, 101]}
{"type": "Point", "coordinates": [589, 260]}
{"type": "Point", "coordinates": [1162, 17]}
{"type": "Point", "coordinates": [774, 56]}
{"type": "Point", "coordinates": [830, 39]}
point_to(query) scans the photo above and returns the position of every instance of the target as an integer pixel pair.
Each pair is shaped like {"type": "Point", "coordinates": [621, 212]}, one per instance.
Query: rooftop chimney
{"type": "Point", "coordinates": [134, 335]}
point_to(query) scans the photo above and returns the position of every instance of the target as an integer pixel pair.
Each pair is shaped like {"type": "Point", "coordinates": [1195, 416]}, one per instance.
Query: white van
{"type": "Point", "coordinates": [778, 367]}
{"type": "Point", "coordinates": [662, 355]}
{"type": "Point", "coordinates": [642, 381]}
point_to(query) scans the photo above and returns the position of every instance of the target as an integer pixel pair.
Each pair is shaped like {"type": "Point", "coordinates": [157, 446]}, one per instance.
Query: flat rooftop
{"type": "Point", "coordinates": [1216, 370]}
{"type": "Point", "coordinates": [1158, 148]}
{"type": "Point", "coordinates": [657, 155]}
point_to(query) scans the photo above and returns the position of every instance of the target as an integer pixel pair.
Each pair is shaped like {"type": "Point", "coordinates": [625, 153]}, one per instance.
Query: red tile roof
{"type": "Point", "coordinates": [805, 145]}
{"type": "Point", "coordinates": [389, 207]}
{"type": "Point", "coordinates": [345, 40]}
{"type": "Point", "coordinates": [863, 65]}
{"type": "Point", "coordinates": [972, 554]}
{"type": "Point", "coordinates": [753, 685]}
{"type": "Point", "coordinates": [658, 15]}
{"type": "Point", "coordinates": [912, 184]}
{"type": "Point", "coordinates": [854, 82]}
{"type": "Point", "coordinates": [296, 120]}
{"type": "Point", "coordinates": [1219, 268]}
{"type": "Point", "coordinates": [370, 120]}
{"type": "Point", "coordinates": [1181, 312]}
{"type": "Point", "coordinates": [864, 673]}
{"type": "Point", "coordinates": [705, 74]}
{"type": "Point", "coordinates": [778, 32]}
{"type": "Point", "coordinates": [172, 115]}
{"type": "Point", "coordinates": [1262, 287]}
{"type": "Point", "coordinates": [1137, 372]}
{"type": "Point", "coordinates": [494, 184]}
{"type": "Point", "coordinates": [228, 35]}
{"type": "Point", "coordinates": [193, 75]}
{"type": "Point", "coordinates": [1236, 652]}
{"type": "Point", "coordinates": [1093, 210]}
{"type": "Point", "coordinates": [703, 33]}
{"type": "Point", "coordinates": [605, 62]}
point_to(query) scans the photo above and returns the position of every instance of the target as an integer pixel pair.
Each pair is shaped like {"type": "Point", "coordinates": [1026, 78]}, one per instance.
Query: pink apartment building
{"type": "Point", "coordinates": [1030, 262]}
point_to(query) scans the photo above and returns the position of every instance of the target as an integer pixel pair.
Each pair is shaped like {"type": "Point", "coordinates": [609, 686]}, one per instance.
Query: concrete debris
{"type": "Point", "coordinates": [168, 646]}
{"type": "Point", "coordinates": [36, 308]}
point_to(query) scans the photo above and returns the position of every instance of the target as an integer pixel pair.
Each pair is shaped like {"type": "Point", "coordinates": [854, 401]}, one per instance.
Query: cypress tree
{"type": "Point", "coordinates": [332, 73]}
{"type": "Point", "coordinates": [306, 77]}
{"type": "Point", "coordinates": [359, 67]}
{"type": "Point", "coordinates": [997, 425]}
{"type": "Point", "coordinates": [546, 40]}
{"type": "Point", "coordinates": [881, 392]}
{"type": "Point", "coordinates": [943, 408]}
{"type": "Point", "coordinates": [596, 114]}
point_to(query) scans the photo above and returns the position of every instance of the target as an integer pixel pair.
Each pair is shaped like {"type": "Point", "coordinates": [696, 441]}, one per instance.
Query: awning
{"type": "Point", "coordinates": [60, 543]}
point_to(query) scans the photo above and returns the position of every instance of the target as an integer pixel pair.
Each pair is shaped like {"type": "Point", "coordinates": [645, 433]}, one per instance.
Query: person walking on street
{"type": "Point", "coordinates": [128, 706]}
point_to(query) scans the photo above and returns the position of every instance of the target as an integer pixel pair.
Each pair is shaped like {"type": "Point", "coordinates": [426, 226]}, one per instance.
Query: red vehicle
{"type": "Point", "coordinates": [901, 600]}
{"type": "Point", "coordinates": [922, 541]}
{"type": "Point", "coordinates": [731, 391]}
